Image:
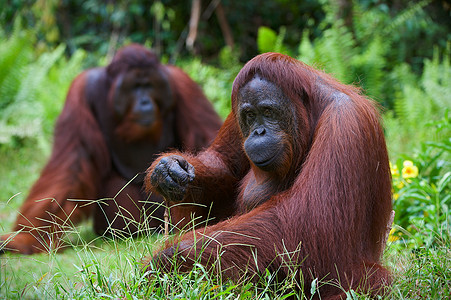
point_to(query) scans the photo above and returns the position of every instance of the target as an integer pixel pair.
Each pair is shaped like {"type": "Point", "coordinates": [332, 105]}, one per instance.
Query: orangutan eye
{"type": "Point", "coordinates": [267, 112]}
{"type": "Point", "coordinates": [250, 116]}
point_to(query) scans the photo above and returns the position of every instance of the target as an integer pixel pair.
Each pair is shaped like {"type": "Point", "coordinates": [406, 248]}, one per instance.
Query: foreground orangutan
{"type": "Point", "coordinates": [114, 122]}
{"type": "Point", "coordinates": [298, 178]}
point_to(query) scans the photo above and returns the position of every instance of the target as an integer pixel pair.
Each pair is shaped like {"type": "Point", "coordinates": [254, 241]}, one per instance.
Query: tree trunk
{"type": "Point", "coordinates": [193, 24]}
{"type": "Point", "coordinates": [225, 28]}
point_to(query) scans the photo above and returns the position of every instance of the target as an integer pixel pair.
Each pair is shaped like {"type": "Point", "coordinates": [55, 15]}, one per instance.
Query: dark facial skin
{"type": "Point", "coordinates": [266, 120]}
{"type": "Point", "coordinates": [264, 114]}
{"type": "Point", "coordinates": [143, 94]}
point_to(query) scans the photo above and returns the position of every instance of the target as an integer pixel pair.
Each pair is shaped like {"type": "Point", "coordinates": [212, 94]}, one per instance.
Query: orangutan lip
{"type": "Point", "coordinates": [144, 121]}
{"type": "Point", "coordinates": [269, 161]}
{"type": "Point", "coordinates": [265, 162]}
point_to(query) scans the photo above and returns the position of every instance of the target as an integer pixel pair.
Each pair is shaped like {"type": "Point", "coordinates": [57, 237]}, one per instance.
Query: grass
{"type": "Point", "coordinates": [95, 267]}
{"type": "Point", "coordinates": [421, 271]}
{"type": "Point", "coordinates": [19, 168]}
{"type": "Point", "coordinates": [100, 268]}
{"type": "Point", "coordinates": [81, 272]}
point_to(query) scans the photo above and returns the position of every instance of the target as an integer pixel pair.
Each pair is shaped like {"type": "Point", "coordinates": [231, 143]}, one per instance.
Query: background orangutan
{"type": "Point", "coordinates": [115, 120]}
{"type": "Point", "coordinates": [301, 164]}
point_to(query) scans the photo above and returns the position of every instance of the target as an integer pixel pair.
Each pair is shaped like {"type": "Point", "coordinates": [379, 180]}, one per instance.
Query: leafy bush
{"type": "Point", "coordinates": [215, 81]}
{"type": "Point", "coordinates": [418, 101]}
{"type": "Point", "coordinates": [422, 191]}
{"type": "Point", "coordinates": [32, 87]}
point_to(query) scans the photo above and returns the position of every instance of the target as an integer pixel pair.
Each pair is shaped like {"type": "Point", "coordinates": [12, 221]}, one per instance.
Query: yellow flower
{"type": "Point", "coordinates": [400, 185]}
{"type": "Point", "coordinates": [392, 237]}
{"type": "Point", "coordinates": [395, 196]}
{"type": "Point", "coordinates": [407, 163]}
{"type": "Point", "coordinates": [409, 170]}
{"type": "Point", "coordinates": [394, 170]}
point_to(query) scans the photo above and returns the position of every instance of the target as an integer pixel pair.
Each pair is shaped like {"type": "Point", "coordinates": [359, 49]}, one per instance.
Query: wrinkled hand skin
{"type": "Point", "coordinates": [171, 177]}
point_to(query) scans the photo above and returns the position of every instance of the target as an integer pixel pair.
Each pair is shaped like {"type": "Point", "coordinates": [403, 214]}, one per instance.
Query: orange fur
{"type": "Point", "coordinates": [326, 220]}
{"type": "Point", "coordinates": [94, 154]}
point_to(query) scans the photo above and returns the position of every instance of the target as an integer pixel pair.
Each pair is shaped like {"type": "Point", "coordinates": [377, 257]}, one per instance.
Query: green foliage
{"type": "Point", "coordinates": [334, 52]}
{"type": "Point", "coordinates": [15, 53]}
{"type": "Point", "coordinates": [32, 87]}
{"type": "Point", "coordinates": [418, 101]}
{"type": "Point", "coordinates": [422, 190]}
{"type": "Point", "coordinates": [357, 55]}
{"type": "Point", "coordinates": [269, 41]}
{"type": "Point", "coordinates": [216, 82]}
{"type": "Point", "coordinates": [266, 39]}
{"type": "Point", "coordinates": [23, 117]}
{"type": "Point", "coordinates": [419, 243]}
